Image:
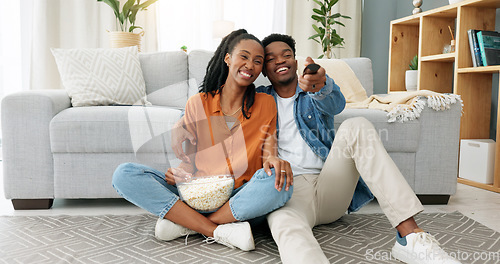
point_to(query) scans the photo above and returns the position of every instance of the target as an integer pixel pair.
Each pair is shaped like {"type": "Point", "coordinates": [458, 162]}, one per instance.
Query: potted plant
{"type": "Point", "coordinates": [124, 35]}
{"type": "Point", "coordinates": [411, 76]}
{"type": "Point", "coordinates": [326, 35]}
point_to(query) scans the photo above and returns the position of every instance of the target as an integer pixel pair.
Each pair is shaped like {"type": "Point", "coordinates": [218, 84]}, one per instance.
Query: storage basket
{"type": "Point", "coordinates": [120, 39]}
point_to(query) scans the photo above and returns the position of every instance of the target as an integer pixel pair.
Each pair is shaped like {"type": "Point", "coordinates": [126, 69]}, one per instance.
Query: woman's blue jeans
{"type": "Point", "coordinates": [147, 188]}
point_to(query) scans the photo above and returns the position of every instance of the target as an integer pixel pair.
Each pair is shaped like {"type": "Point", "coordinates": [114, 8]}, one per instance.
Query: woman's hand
{"type": "Point", "coordinates": [282, 169]}
{"type": "Point", "coordinates": [179, 135]}
{"type": "Point", "coordinates": [174, 175]}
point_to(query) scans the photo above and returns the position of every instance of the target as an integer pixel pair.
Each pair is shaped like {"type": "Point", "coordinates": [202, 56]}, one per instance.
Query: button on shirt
{"type": "Point", "coordinates": [291, 146]}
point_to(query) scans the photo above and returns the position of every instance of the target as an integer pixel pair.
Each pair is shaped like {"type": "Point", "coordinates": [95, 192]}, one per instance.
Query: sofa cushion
{"type": "Point", "coordinates": [396, 137]}
{"type": "Point", "coordinates": [102, 129]}
{"type": "Point", "coordinates": [166, 77]}
{"type": "Point", "coordinates": [101, 76]}
{"type": "Point", "coordinates": [198, 61]}
{"type": "Point", "coordinates": [362, 67]}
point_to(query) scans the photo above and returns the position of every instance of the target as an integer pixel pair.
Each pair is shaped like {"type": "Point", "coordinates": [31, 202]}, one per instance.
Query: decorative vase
{"type": "Point", "coordinates": [120, 39]}
{"type": "Point", "coordinates": [417, 4]}
{"type": "Point", "coordinates": [411, 80]}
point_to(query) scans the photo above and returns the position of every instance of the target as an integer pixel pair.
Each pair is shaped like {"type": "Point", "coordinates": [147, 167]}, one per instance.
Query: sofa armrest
{"type": "Point", "coordinates": [27, 158]}
{"type": "Point", "coordinates": [437, 155]}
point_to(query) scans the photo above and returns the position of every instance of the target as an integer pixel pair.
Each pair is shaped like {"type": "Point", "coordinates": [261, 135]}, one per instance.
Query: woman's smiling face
{"type": "Point", "coordinates": [245, 62]}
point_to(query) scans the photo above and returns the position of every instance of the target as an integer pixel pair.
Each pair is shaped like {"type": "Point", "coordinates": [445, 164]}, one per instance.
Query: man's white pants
{"type": "Point", "coordinates": [324, 198]}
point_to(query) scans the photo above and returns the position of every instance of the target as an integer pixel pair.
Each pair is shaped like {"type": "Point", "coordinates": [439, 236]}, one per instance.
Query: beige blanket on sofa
{"type": "Point", "coordinates": [401, 106]}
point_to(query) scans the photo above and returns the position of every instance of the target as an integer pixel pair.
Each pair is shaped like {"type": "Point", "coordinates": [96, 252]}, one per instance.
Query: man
{"type": "Point", "coordinates": [326, 171]}
{"type": "Point", "coordinates": [324, 182]}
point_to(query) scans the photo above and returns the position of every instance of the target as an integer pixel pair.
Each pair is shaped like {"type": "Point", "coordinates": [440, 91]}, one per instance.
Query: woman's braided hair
{"type": "Point", "coordinates": [217, 70]}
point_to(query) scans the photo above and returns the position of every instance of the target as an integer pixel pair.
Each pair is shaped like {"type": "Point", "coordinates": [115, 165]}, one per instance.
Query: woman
{"type": "Point", "coordinates": [235, 133]}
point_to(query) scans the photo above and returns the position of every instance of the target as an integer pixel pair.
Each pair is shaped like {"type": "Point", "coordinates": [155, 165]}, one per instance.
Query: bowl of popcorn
{"type": "Point", "coordinates": [206, 193]}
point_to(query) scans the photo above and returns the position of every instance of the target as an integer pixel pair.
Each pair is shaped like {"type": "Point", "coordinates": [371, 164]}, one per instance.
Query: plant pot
{"type": "Point", "coordinates": [411, 80]}
{"type": "Point", "coordinates": [120, 39]}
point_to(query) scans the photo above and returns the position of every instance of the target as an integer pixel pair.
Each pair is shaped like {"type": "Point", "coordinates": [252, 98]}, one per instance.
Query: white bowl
{"type": "Point", "coordinates": [206, 193]}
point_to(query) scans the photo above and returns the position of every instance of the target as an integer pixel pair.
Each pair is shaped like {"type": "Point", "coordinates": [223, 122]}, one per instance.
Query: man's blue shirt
{"type": "Point", "coordinates": [314, 114]}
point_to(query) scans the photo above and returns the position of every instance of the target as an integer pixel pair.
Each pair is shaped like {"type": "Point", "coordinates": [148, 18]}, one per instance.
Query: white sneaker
{"type": "Point", "coordinates": [233, 235]}
{"type": "Point", "coordinates": [420, 248]}
{"type": "Point", "coordinates": [167, 230]}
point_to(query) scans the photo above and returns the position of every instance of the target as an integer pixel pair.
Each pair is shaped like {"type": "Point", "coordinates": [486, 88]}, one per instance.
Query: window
{"type": "Point", "coordinates": [10, 49]}
{"type": "Point", "coordinates": [191, 23]}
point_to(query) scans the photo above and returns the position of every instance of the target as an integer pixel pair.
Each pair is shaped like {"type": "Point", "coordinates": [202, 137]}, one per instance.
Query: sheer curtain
{"type": "Point", "coordinates": [27, 62]}
{"type": "Point", "coordinates": [191, 23]}
{"type": "Point", "coordinates": [10, 49]}
{"type": "Point", "coordinates": [72, 24]}
{"type": "Point", "coordinates": [35, 26]}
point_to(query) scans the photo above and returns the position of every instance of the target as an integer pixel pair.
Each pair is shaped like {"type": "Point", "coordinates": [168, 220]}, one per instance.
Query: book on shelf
{"type": "Point", "coordinates": [475, 52]}
{"type": "Point", "coordinates": [489, 45]}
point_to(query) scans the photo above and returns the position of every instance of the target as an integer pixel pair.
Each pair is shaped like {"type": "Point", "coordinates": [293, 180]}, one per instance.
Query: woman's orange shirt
{"type": "Point", "coordinates": [220, 150]}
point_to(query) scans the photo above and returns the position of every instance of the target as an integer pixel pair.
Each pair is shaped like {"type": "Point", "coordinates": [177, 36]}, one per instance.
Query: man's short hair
{"type": "Point", "coordinates": [279, 37]}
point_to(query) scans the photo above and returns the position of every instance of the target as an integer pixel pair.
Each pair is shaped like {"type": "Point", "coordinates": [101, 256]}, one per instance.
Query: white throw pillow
{"type": "Point", "coordinates": [102, 76]}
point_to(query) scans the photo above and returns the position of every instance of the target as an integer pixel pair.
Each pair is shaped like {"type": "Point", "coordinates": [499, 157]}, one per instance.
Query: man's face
{"type": "Point", "coordinates": [280, 63]}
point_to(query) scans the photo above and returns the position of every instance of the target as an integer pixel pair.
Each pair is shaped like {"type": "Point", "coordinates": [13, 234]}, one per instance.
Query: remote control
{"type": "Point", "coordinates": [311, 69]}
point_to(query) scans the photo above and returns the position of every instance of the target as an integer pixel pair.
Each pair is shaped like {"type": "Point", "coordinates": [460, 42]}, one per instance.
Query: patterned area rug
{"type": "Point", "coordinates": [356, 238]}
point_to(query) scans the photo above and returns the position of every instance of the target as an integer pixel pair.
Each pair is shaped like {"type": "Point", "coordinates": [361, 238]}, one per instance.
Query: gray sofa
{"type": "Point", "coordinates": [52, 150]}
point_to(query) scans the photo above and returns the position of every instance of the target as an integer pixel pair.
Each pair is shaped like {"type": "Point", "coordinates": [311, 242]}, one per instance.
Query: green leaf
{"type": "Point", "coordinates": [321, 56]}
{"type": "Point", "coordinates": [323, 21]}
{"type": "Point", "coordinates": [126, 8]}
{"type": "Point", "coordinates": [121, 18]}
{"type": "Point", "coordinates": [329, 4]}
{"type": "Point", "coordinates": [133, 27]}
{"type": "Point", "coordinates": [317, 11]}
{"type": "Point", "coordinates": [315, 36]}
{"type": "Point", "coordinates": [323, 8]}
{"type": "Point", "coordinates": [323, 31]}
{"type": "Point", "coordinates": [336, 15]}
{"type": "Point", "coordinates": [318, 2]}
{"type": "Point", "coordinates": [327, 42]}
{"type": "Point", "coordinates": [346, 17]}
{"type": "Point", "coordinates": [414, 63]}
{"type": "Point", "coordinates": [337, 22]}
{"type": "Point", "coordinates": [145, 4]}
{"type": "Point", "coordinates": [316, 29]}
{"type": "Point", "coordinates": [135, 8]}
{"type": "Point", "coordinates": [336, 40]}
{"type": "Point", "coordinates": [133, 14]}
{"type": "Point", "coordinates": [114, 4]}
{"type": "Point", "coordinates": [315, 17]}
{"type": "Point", "coordinates": [314, 39]}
